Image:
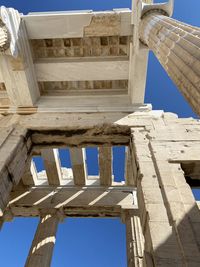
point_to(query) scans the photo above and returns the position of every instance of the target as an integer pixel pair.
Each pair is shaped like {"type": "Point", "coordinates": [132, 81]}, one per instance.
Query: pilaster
{"type": "Point", "coordinates": [134, 241]}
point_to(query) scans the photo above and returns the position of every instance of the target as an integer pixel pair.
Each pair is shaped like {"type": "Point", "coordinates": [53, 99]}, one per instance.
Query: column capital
{"type": "Point", "coordinates": [159, 8]}
{"type": "Point", "coordinates": [59, 214]}
{"type": "Point", "coordinates": [4, 37]}
{"type": "Point", "coordinates": [11, 22]}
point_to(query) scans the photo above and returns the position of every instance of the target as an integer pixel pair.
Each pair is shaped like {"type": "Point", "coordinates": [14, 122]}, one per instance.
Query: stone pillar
{"type": "Point", "coordinates": [134, 241]}
{"type": "Point", "coordinates": [4, 37]}
{"type": "Point", "coordinates": [176, 45]}
{"type": "Point", "coordinates": [43, 243]}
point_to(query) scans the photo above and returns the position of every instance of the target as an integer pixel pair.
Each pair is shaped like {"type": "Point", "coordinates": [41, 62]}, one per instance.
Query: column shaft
{"type": "Point", "coordinates": [134, 242]}
{"type": "Point", "coordinates": [177, 47]}
{"type": "Point", "coordinates": [41, 250]}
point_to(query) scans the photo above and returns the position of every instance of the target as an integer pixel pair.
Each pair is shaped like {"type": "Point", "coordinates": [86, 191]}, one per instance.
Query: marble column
{"type": "Point", "coordinates": [43, 243]}
{"type": "Point", "coordinates": [177, 47]}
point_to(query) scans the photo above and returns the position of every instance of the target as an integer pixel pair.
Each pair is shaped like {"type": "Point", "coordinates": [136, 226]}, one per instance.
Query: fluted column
{"type": "Point", "coordinates": [177, 46]}
{"type": "Point", "coordinates": [42, 247]}
{"type": "Point", "coordinates": [4, 37]}
{"type": "Point", "coordinates": [134, 241]}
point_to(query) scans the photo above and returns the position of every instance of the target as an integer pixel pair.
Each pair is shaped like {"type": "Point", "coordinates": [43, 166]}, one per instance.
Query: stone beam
{"type": "Point", "coordinates": [15, 145]}
{"type": "Point", "coordinates": [30, 176]}
{"type": "Point", "coordinates": [52, 165]}
{"type": "Point", "coordinates": [79, 70]}
{"type": "Point", "coordinates": [105, 165]}
{"type": "Point", "coordinates": [79, 167]}
{"type": "Point", "coordinates": [176, 45]}
{"type": "Point", "coordinates": [130, 167]}
{"type": "Point", "coordinates": [79, 24]}
{"type": "Point", "coordinates": [25, 201]}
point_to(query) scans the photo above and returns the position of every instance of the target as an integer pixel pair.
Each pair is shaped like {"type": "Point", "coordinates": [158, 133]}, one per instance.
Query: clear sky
{"type": "Point", "coordinates": [93, 242]}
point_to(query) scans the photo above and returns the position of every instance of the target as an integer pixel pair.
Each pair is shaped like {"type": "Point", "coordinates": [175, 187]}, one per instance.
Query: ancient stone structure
{"type": "Point", "coordinates": [77, 80]}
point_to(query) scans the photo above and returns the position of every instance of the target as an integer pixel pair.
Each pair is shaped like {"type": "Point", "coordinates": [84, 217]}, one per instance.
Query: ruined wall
{"type": "Point", "coordinates": [163, 153]}
{"type": "Point", "coordinates": [169, 215]}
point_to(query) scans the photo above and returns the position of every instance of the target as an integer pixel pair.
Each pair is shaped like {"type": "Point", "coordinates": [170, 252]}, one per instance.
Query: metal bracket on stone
{"type": "Point", "coordinates": [164, 8]}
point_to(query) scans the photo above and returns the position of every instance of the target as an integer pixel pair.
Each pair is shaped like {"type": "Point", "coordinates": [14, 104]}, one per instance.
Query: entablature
{"type": "Point", "coordinates": [80, 60]}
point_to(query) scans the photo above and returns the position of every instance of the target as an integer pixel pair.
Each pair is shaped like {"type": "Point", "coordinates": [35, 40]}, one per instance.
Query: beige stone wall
{"type": "Point", "coordinates": [169, 214]}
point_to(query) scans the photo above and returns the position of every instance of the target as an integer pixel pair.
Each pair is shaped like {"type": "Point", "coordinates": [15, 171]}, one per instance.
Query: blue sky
{"type": "Point", "coordinates": [98, 242]}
